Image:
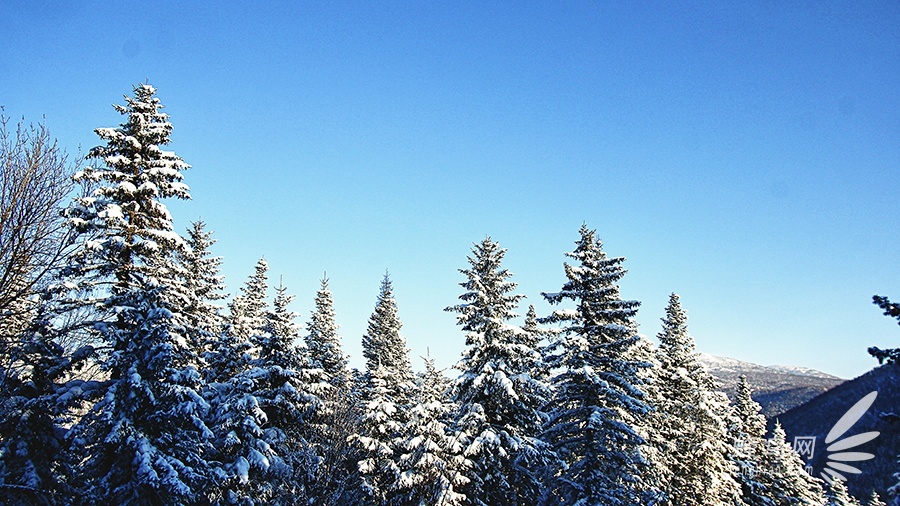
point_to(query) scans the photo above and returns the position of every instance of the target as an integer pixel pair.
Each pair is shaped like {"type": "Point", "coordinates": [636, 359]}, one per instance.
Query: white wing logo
{"type": "Point", "coordinates": [837, 461]}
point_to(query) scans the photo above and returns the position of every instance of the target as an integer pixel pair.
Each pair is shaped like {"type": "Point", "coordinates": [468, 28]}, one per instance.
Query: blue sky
{"type": "Point", "coordinates": [745, 156]}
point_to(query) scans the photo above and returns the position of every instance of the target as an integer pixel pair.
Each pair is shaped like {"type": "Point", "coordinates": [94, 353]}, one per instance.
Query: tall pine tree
{"type": "Point", "coordinates": [498, 391]}
{"type": "Point", "coordinates": [432, 463]}
{"type": "Point", "coordinates": [284, 384]}
{"type": "Point", "coordinates": [323, 341]}
{"type": "Point", "coordinates": [248, 310]}
{"type": "Point", "coordinates": [146, 439]}
{"type": "Point", "coordinates": [691, 418]}
{"type": "Point", "coordinates": [386, 395]}
{"type": "Point", "coordinates": [596, 392]}
{"type": "Point", "coordinates": [336, 477]}
{"type": "Point", "coordinates": [747, 431]}
{"type": "Point", "coordinates": [203, 287]}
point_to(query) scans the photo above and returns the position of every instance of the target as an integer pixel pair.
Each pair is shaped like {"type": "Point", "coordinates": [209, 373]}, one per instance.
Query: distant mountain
{"type": "Point", "coordinates": [817, 417]}
{"type": "Point", "coordinates": [776, 388]}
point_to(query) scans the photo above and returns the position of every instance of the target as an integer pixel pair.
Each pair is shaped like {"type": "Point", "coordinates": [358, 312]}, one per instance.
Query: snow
{"type": "Point", "coordinates": [242, 468]}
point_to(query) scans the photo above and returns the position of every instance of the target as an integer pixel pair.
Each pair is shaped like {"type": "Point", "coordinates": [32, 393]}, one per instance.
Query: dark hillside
{"type": "Point", "coordinates": [816, 418]}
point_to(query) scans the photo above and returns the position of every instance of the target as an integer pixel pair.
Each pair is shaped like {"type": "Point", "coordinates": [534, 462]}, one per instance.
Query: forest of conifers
{"type": "Point", "coordinates": [125, 378]}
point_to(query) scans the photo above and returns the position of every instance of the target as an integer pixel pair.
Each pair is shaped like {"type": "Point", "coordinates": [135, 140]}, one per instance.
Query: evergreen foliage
{"type": "Point", "coordinates": [384, 347]}
{"type": "Point", "coordinates": [386, 396]}
{"type": "Point", "coordinates": [596, 389]}
{"type": "Point", "coordinates": [836, 495]}
{"type": "Point", "coordinates": [146, 438]}
{"type": "Point", "coordinates": [248, 310]}
{"type": "Point", "coordinates": [336, 478]}
{"type": "Point", "coordinates": [891, 356]}
{"type": "Point", "coordinates": [499, 391]}
{"type": "Point", "coordinates": [195, 407]}
{"type": "Point", "coordinates": [891, 309]}
{"type": "Point", "coordinates": [747, 431]}
{"type": "Point", "coordinates": [285, 386]}
{"type": "Point", "coordinates": [875, 500]}
{"type": "Point", "coordinates": [782, 471]}
{"type": "Point", "coordinates": [324, 343]}
{"type": "Point", "coordinates": [432, 463]}
{"type": "Point", "coordinates": [691, 417]}
{"type": "Point", "coordinates": [203, 287]}
{"type": "Point", "coordinates": [37, 405]}
{"type": "Point", "coordinates": [656, 446]}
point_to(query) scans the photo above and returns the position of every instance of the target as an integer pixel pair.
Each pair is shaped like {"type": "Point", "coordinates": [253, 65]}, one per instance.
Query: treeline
{"type": "Point", "coordinates": [125, 380]}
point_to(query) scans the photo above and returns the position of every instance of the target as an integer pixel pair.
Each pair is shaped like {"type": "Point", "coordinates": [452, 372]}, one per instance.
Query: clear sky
{"type": "Point", "coordinates": [745, 156]}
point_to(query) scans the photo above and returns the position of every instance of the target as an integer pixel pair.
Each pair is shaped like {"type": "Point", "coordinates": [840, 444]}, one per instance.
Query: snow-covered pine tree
{"type": "Point", "coordinates": [533, 337]}
{"type": "Point", "coordinates": [499, 392]}
{"type": "Point", "coordinates": [280, 343]}
{"type": "Point", "coordinates": [336, 480]}
{"type": "Point", "coordinates": [37, 409]}
{"type": "Point", "coordinates": [432, 464]}
{"type": "Point", "coordinates": [596, 386]}
{"type": "Point", "coordinates": [284, 386]}
{"type": "Point", "coordinates": [377, 439]}
{"type": "Point", "coordinates": [655, 473]}
{"type": "Point", "coordinates": [145, 441]}
{"type": "Point", "coordinates": [384, 347]}
{"type": "Point", "coordinates": [248, 310]}
{"type": "Point", "coordinates": [747, 431]}
{"type": "Point", "coordinates": [782, 471]}
{"type": "Point", "coordinates": [836, 495]}
{"type": "Point", "coordinates": [324, 343]}
{"type": "Point", "coordinates": [385, 398]}
{"type": "Point", "coordinates": [875, 500]}
{"type": "Point", "coordinates": [203, 286]}
{"type": "Point", "coordinates": [692, 416]}
{"type": "Point", "coordinates": [256, 398]}
{"type": "Point", "coordinates": [243, 450]}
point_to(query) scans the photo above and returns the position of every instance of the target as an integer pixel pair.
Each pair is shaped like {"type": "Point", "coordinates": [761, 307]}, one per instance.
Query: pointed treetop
{"type": "Point", "coordinates": [323, 341]}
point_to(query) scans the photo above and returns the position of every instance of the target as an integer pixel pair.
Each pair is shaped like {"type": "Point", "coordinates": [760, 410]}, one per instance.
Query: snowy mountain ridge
{"type": "Point", "coordinates": [802, 371]}
{"type": "Point", "coordinates": [776, 388]}
{"type": "Point", "coordinates": [723, 364]}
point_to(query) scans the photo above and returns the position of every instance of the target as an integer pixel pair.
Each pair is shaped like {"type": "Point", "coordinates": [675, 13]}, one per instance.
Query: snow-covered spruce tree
{"type": "Point", "coordinates": [285, 386]}
{"type": "Point", "coordinates": [747, 431]}
{"type": "Point", "coordinates": [692, 417]}
{"type": "Point", "coordinates": [498, 395]}
{"type": "Point", "coordinates": [875, 500]}
{"type": "Point", "coordinates": [782, 472]}
{"type": "Point", "coordinates": [836, 495]}
{"type": "Point", "coordinates": [384, 347]}
{"type": "Point", "coordinates": [385, 398]}
{"type": "Point", "coordinates": [145, 441]}
{"type": "Point", "coordinates": [203, 286]}
{"type": "Point", "coordinates": [324, 343]}
{"type": "Point", "coordinates": [36, 410]}
{"type": "Point", "coordinates": [248, 310]}
{"type": "Point", "coordinates": [596, 391]}
{"type": "Point", "coordinates": [261, 401]}
{"type": "Point", "coordinates": [376, 442]}
{"type": "Point", "coordinates": [241, 453]}
{"type": "Point", "coordinates": [336, 480]}
{"type": "Point", "coordinates": [656, 446]}
{"type": "Point", "coordinates": [432, 463]}
{"type": "Point", "coordinates": [534, 337]}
